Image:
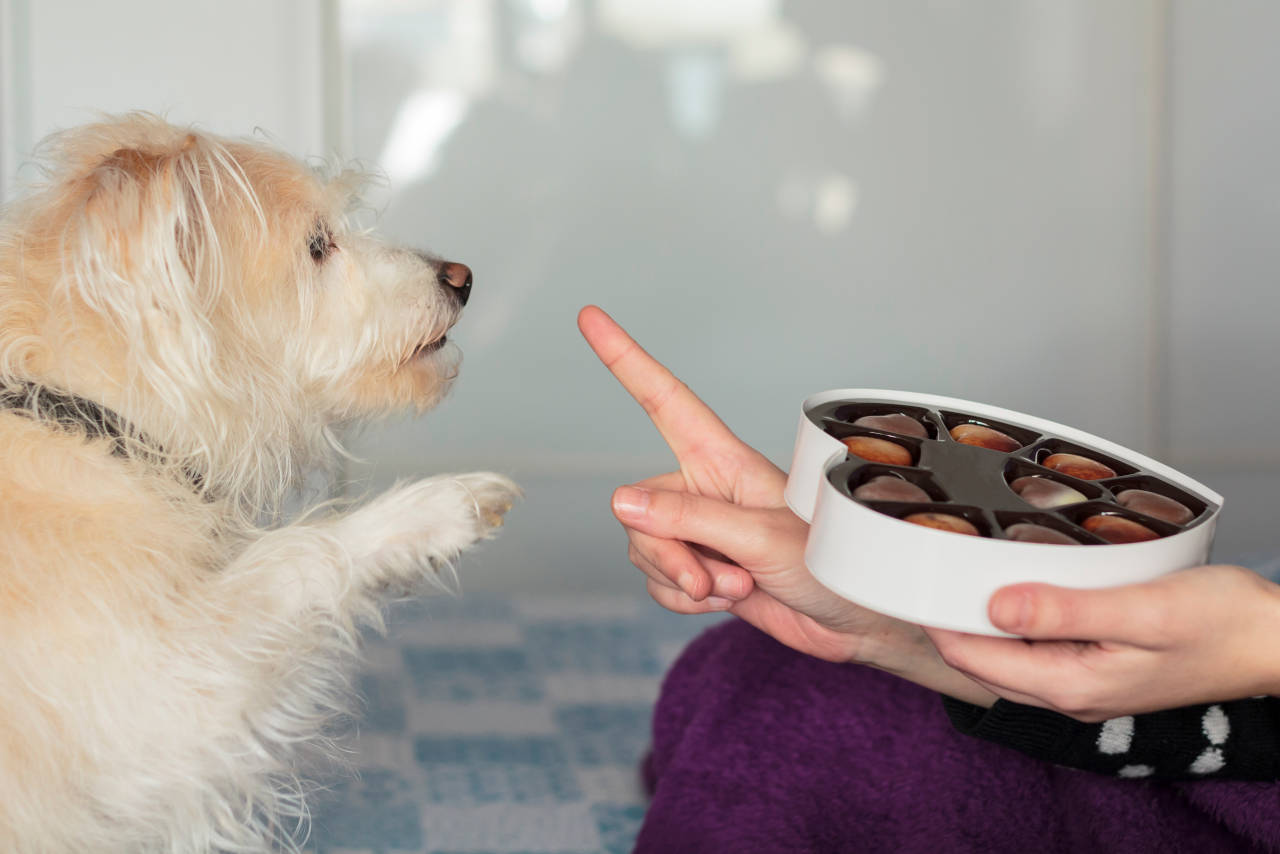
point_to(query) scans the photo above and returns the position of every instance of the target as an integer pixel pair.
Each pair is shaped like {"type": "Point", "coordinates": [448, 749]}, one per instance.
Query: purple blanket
{"type": "Point", "coordinates": [759, 749]}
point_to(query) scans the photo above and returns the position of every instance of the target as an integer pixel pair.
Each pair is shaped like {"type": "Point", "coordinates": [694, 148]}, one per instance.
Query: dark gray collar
{"type": "Point", "coordinates": [79, 413]}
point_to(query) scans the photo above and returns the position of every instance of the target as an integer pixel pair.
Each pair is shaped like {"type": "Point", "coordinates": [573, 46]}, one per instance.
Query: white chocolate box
{"type": "Point", "coordinates": [938, 578]}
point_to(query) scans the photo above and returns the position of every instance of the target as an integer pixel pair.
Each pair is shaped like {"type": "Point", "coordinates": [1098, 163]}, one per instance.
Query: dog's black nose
{"type": "Point", "coordinates": [457, 276]}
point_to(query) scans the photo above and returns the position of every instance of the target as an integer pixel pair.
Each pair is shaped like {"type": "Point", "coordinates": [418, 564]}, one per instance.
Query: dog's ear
{"type": "Point", "coordinates": [145, 231]}
{"type": "Point", "coordinates": [145, 249]}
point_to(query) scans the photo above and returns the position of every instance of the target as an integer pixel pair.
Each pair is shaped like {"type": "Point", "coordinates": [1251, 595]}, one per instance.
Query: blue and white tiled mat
{"type": "Point", "coordinates": [498, 725]}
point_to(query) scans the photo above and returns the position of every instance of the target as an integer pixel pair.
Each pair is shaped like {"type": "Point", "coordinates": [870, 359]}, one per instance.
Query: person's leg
{"type": "Point", "coordinates": [758, 748]}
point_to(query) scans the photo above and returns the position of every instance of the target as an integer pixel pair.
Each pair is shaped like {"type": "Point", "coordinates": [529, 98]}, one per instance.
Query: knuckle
{"type": "Point", "coordinates": [672, 600]}
{"type": "Point", "coordinates": [655, 401]}
{"type": "Point", "coordinates": [953, 655]}
{"type": "Point", "coordinates": [1075, 702]}
{"type": "Point", "coordinates": [775, 523]}
{"type": "Point", "coordinates": [1236, 573]}
{"type": "Point", "coordinates": [666, 553]}
{"type": "Point", "coordinates": [1233, 578]}
{"type": "Point", "coordinates": [680, 509]}
{"type": "Point", "coordinates": [1161, 629]}
{"type": "Point", "coordinates": [776, 527]}
{"type": "Point", "coordinates": [660, 593]}
{"type": "Point", "coordinates": [1157, 616]}
{"type": "Point", "coordinates": [1053, 615]}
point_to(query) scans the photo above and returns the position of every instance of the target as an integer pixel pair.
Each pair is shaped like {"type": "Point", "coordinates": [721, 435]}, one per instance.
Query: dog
{"type": "Point", "coordinates": [186, 322]}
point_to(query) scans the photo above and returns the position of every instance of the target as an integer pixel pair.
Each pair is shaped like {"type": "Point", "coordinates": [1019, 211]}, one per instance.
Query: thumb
{"type": "Point", "coordinates": [739, 533]}
{"type": "Point", "coordinates": [1046, 612]}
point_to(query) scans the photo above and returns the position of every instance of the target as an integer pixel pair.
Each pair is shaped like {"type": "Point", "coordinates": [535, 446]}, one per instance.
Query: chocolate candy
{"type": "Point", "coordinates": [897, 422]}
{"type": "Point", "coordinates": [886, 487]}
{"type": "Point", "coordinates": [1154, 504]}
{"type": "Point", "coordinates": [1032, 488]}
{"type": "Point", "coordinates": [943, 522]}
{"type": "Point", "coordinates": [984, 437]}
{"type": "Point", "coordinates": [1028, 532]}
{"type": "Point", "coordinates": [1117, 529]}
{"type": "Point", "coordinates": [878, 450]}
{"type": "Point", "coordinates": [1074, 465]}
{"type": "Point", "coordinates": [1041, 492]}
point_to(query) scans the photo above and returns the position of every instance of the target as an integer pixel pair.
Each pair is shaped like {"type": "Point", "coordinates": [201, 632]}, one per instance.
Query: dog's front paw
{"type": "Point", "coordinates": [493, 495]}
{"type": "Point", "coordinates": [428, 523]}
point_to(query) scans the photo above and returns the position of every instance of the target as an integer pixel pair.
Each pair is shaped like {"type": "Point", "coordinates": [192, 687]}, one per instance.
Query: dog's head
{"type": "Point", "coordinates": [212, 291]}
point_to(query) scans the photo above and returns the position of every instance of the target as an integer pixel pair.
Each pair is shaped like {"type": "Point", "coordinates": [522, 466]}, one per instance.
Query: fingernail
{"type": "Point", "coordinates": [719, 603]}
{"type": "Point", "coordinates": [686, 584]}
{"type": "Point", "coordinates": [1011, 611]}
{"type": "Point", "coordinates": [732, 587]}
{"type": "Point", "coordinates": [630, 501]}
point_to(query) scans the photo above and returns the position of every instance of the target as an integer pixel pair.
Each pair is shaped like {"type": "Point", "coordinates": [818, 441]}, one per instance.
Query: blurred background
{"type": "Point", "coordinates": [1065, 207]}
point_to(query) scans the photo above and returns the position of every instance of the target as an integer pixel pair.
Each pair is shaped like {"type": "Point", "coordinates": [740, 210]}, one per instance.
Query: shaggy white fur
{"type": "Point", "coordinates": [172, 651]}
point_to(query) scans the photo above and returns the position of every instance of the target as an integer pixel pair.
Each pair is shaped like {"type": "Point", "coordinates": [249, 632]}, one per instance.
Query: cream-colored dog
{"type": "Point", "coordinates": [182, 321]}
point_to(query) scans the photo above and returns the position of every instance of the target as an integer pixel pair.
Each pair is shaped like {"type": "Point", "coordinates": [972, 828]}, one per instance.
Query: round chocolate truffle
{"type": "Point", "coordinates": [1074, 465]}
{"type": "Point", "coordinates": [1028, 532]}
{"type": "Point", "coordinates": [1119, 530]}
{"type": "Point", "coordinates": [886, 487]}
{"type": "Point", "coordinates": [1042, 492]}
{"type": "Point", "coordinates": [897, 422]}
{"type": "Point", "coordinates": [1154, 504]}
{"type": "Point", "coordinates": [984, 437]}
{"type": "Point", "coordinates": [943, 522]}
{"type": "Point", "coordinates": [878, 450]}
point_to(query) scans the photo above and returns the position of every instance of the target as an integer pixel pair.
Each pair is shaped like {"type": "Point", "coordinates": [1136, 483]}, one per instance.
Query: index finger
{"type": "Point", "coordinates": [684, 421]}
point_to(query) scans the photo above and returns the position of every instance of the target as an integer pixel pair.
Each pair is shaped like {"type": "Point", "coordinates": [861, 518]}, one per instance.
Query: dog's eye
{"type": "Point", "coordinates": [320, 244]}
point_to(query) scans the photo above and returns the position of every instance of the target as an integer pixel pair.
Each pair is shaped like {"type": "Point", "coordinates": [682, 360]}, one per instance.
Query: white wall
{"type": "Point", "coordinates": [1223, 415]}
{"type": "Point", "coordinates": [776, 199]}
{"type": "Point", "coordinates": [1061, 207]}
{"type": "Point", "coordinates": [969, 215]}
{"type": "Point", "coordinates": [230, 66]}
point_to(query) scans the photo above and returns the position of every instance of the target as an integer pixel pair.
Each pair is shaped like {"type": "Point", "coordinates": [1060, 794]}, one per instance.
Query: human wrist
{"type": "Point", "coordinates": [1263, 649]}
{"type": "Point", "coordinates": [904, 650]}
{"type": "Point", "coordinates": [1247, 627]}
{"type": "Point", "coordinates": [895, 647]}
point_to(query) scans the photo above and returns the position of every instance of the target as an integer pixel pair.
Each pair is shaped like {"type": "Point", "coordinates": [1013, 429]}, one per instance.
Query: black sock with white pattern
{"type": "Point", "coordinates": [1235, 740]}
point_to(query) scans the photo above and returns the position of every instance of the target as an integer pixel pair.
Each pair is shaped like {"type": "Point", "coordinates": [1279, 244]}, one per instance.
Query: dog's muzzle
{"type": "Point", "coordinates": [456, 276]}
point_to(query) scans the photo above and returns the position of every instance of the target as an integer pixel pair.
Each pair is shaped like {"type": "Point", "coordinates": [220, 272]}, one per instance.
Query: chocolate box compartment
{"type": "Point", "coordinates": [946, 579]}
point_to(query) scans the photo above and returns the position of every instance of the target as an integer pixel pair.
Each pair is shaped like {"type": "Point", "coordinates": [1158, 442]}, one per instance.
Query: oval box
{"type": "Point", "coordinates": [864, 552]}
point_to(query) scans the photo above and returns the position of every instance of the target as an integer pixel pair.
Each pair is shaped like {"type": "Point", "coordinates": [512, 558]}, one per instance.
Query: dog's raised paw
{"type": "Point", "coordinates": [494, 496]}
{"type": "Point", "coordinates": [436, 517]}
